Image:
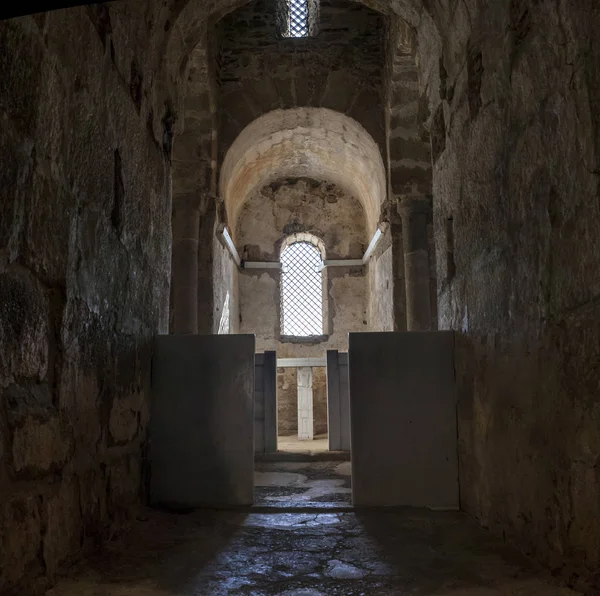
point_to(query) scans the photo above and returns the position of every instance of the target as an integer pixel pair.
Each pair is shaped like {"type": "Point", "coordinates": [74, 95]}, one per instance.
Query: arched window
{"type": "Point", "coordinates": [301, 289]}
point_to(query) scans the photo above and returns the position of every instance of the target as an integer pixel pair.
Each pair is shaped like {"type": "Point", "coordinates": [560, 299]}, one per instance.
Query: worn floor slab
{"type": "Point", "coordinates": [308, 554]}
{"type": "Point", "coordinates": [302, 484]}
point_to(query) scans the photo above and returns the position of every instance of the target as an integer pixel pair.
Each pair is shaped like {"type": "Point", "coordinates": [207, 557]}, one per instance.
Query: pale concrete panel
{"type": "Point", "coordinates": [201, 425]}
{"type": "Point", "coordinates": [403, 419]}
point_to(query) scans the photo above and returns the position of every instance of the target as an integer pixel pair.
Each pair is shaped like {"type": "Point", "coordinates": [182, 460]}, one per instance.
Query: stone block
{"type": "Point", "coordinates": [124, 483]}
{"type": "Point", "coordinates": [79, 399]}
{"type": "Point", "coordinates": [93, 494]}
{"type": "Point", "coordinates": [20, 538]}
{"type": "Point", "coordinates": [412, 149]}
{"type": "Point", "coordinates": [62, 539]}
{"type": "Point", "coordinates": [23, 325]}
{"type": "Point", "coordinates": [20, 72]}
{"type": "Point", "coordinates": [125, 417]}
{"type": "Point", "coordinates": [335, 95]}
{"type": "Point", "coordinates": [47, 228]}
{"type": "Point", "coordinates": [11, 205]}
{"type": "Point", "coordinates": [41, 446]}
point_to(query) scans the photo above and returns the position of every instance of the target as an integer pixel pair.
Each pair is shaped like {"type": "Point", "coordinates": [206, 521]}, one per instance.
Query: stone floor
{"type": "Point", "coordinates": [293, 444]}
{"type": "Point", "coordinates": [303, 539]}
{"type": "Point", "coordinates": [302, 484]}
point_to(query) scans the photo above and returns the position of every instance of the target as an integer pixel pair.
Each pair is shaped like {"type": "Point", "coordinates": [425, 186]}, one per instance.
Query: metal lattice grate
{"type": "Point", "coordinates": [301, 290]}
{"type": "Point", "coordinates": [298, 18]}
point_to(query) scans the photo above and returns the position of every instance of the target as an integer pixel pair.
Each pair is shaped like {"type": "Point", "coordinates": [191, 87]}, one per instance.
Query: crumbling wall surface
{"type": "Point", "coordinates": [84, 279]}
{"type": "Point", "coordinates": [267, 219]}
{"type": "Point", "coordinates": [516, 149]}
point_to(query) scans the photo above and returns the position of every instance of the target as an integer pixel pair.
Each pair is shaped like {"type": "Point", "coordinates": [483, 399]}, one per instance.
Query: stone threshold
{"type": "Point", "coordinates": [283, 456]}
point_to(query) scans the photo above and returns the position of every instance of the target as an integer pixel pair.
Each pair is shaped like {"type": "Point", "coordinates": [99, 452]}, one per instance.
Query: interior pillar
{"type": "Point", "coordinates": [414, 212]}
{"type": "Point", "coordinates": [186, 226]}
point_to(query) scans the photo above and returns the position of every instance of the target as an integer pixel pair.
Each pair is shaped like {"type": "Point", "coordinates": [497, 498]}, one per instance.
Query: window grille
{"type": "Point", "coordinates": [301, 290]}
{"type": "Point", "coordinates": [297, 18]}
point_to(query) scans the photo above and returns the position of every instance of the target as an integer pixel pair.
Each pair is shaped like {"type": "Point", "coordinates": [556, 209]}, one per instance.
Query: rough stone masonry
{"type": "Point", "coordinates": [110, 111]}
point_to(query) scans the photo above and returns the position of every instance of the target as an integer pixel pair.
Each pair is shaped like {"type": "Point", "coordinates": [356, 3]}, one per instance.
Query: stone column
{"type": "Point", "coordinates": [186, 226]}
{"type": "Point", "coordinates": [414, 212]}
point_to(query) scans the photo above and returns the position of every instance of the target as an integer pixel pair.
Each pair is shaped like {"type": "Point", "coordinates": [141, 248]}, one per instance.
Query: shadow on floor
{"type": "Point", "coordinates": [278, 550]}
{"type": "Point", "coordinates": [308, 554]}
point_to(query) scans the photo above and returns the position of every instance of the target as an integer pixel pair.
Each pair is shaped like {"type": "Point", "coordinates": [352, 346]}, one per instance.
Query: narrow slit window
{"type": "Point", "coordinates": [298, 18]}
{"type": "Point", "coordinates": [301, 290]}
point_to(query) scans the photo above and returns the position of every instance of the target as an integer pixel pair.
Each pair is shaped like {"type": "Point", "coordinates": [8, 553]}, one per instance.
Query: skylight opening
{"type": "Point", "coordinates": [298, 25]}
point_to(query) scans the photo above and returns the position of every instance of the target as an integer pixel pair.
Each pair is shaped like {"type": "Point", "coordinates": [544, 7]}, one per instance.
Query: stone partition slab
{"type": "Point", "coordinates": [403, 419]}
{"type": "Point", "coordinates": [202, 426]}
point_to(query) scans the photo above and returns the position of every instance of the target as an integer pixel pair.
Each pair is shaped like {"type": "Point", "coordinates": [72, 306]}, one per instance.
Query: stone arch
{"type": "Point", "coordinates": [312, 142]}
{"type": "Point", "coordinates": [303, 237]}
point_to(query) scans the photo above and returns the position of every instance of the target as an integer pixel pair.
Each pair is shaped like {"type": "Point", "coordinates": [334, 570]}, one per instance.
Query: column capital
{"type": "Point", "coordinates": [412, 205]}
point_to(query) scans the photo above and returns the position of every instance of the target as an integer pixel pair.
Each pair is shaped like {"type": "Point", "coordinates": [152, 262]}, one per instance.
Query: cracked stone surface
{"type": "Point", "coordinates": [281, 548]}
{"type": "Point", "coordinates": [308, 554]}
{"type": "Point", "coordinates": [302, 484]}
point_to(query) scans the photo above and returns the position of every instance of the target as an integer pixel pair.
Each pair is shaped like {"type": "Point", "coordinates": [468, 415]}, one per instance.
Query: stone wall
{"type": "Point", "coordinates": [512, 92]}
{"type": "Point", "coordinates": [84, 278]}
{"type": "Point", "coordinates": [516, 163]}
{"type": "Point", "coordinates": [340, 69]}
{"type": "Point", "coordinates": [287, 401]}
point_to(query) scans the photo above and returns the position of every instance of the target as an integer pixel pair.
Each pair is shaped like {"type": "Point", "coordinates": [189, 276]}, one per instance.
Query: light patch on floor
{"type": "Point", "coordinates": [291, 521]}
{"type": "Point", "coordinates": [341, 570]}
{"type": "Point", "coordinates": [293, 444]}
{"type": "Point", "coordinates": [317, 489]}
{"type": "Point", "coordinates": [375, 553]}
{"type": "Point", "coordinates": [309, 489]}
{"type": "Point", "coordinates": [278, 479]}
{"type": "Point", "coordinates": [344, 469]}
